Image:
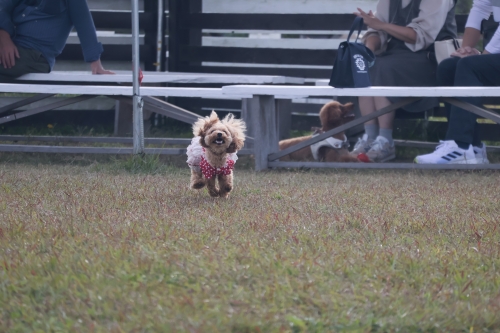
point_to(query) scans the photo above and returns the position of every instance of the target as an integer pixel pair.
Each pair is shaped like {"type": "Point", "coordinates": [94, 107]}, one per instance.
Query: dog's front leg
{"type": "Point", "coordinates": [212, 188]}
{"type": "Point", "coordinates": [225, 184]}
{"type": "Point", "coordinates": [197, 180]}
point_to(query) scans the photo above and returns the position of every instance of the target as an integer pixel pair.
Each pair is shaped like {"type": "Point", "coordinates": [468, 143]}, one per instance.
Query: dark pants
{"type": "Point", "coordinates": [472, 71]}
{"type": "Point", "coordinates": [30, 61]}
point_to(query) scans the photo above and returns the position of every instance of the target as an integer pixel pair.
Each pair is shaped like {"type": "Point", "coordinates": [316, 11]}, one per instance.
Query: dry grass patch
{"type": "Point", "coordinates": [84, 250]}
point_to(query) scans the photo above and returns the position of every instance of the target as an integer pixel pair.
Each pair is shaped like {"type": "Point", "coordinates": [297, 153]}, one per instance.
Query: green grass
{"type": "Point", "coordinates": [113, 246]}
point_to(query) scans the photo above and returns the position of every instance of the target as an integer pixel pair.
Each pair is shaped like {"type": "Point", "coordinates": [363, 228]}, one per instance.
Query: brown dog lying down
{"type": "Point", "coordinates": [333, 149]}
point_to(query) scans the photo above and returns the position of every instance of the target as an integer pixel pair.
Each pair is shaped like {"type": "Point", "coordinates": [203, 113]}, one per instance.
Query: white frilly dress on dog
{"type": "Point", "coordinates": [198, 162]}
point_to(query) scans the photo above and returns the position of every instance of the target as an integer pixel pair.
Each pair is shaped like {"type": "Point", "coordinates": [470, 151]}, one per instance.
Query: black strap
{"type": "Point", "coordinates": [357, 24]}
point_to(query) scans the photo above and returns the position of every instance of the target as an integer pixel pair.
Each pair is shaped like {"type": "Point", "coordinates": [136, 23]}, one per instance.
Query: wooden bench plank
{"type": "Point", "coordinates": [286, 6]}
{"type": "Point", "coordinates": [92, 139]}
{"type": "Point", "coordinates": [97, 150]}
{"type": "Point", "coordinates": [64, 89]}
{"type": "Point", "coordinates": [112, 52]}
{"type": "Point", "coordinates": [116, 90]}
{"type": "Point", "coordinates": [371, 91]}
{"type": "Point", "coordinates": [270, 21]}
{"type": "Point", "coordinates": [121, 20]}
{"type": "Point", "coordinates": [276, 43]}
{"type": "Point", "coordinates": [160, 77]}
{"type": "Point", "coordinates": [405, 166]}
{"type": "Point", "coordinates": [258, 56]}
{"type": "Point", "coordinates": [303, 71]}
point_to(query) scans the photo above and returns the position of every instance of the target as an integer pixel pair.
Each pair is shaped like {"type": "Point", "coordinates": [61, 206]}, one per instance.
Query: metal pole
{"type": "Point", "coordinates": [159, 35]}
{"type": "Point", "coordinates": [138, 123]}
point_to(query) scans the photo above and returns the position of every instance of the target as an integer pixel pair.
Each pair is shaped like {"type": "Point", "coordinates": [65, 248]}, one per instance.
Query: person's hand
{"type": "Point", "coordinates": [465, 52]}
{"type": "Point", "coordinates": [97, 68]}
{"type": "Point", "coordinates": [8, 50]}
{"type": "Point", "coordinates": [370, 20]}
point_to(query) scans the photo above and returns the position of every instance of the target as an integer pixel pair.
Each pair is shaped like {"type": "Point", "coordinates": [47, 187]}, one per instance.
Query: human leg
{"type": "Point", "coordinates": [446, 77]}
{"type": "Point", "coordinates": [366, 107]}
{"type": "Point", "coordinates": [30, 61]}
{"type": "Point", "coordinates": [385, 121]}
{"type": "Point", "coordinates": [382, 148]}
{"type": "Point", "coordinates": [462, 144]}
{"type": "Point", "coordinates": [473, 71]}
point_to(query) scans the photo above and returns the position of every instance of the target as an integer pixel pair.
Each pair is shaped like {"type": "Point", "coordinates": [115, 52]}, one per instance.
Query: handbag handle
{"type": "Point", "coordinates": [357, 24]}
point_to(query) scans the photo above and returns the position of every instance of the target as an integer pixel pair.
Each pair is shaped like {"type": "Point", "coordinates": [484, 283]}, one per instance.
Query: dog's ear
{"type": "Point", "coordinates": [237, 128]}
{"type": "Point", "coordinates": [347, 108]}
{"type": "Point", "coordinates": [202, 141]}
{"type": "Point", "coordinates": [236, 145]}
{"type": "Point", "coordinates": [232, 148]}
{"type": "Point", "coordinates": [202, 125]}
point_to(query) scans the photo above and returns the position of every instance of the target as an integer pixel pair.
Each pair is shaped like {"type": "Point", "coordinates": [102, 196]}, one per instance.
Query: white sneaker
{"type": "Point", "coordinates": [447, 152]}
{"type": "Point", "coordinates": [362, 146]}
{"type": "Point", "coordinates": [480, 153]}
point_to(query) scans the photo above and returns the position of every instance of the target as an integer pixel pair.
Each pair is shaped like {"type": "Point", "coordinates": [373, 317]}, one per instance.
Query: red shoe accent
{"type": "Point", "coordinates": [363, 158]}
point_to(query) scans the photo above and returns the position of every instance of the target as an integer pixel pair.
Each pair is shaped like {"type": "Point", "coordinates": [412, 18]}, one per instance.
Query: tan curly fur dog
{"type": "Point", "coordinates": [331, 115]}
{"type": "Point", "coordinates": [216, 142]}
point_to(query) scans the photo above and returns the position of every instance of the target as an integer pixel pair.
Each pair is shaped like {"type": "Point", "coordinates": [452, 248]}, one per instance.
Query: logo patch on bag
{"type": "Point", "coordinates": [359, 61]}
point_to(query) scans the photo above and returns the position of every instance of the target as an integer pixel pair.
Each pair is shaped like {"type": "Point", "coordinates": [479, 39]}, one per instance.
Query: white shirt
{"type": "Point", "coordinates": [481, 10]}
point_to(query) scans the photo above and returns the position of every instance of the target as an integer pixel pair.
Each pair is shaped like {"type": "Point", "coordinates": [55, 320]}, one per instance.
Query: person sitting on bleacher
{"type": "Point", "coordinates": [468, 67]}
{"type": "Point", "coordinates": [34, 32]}
{"type": "Point", "coordinates": [401, 33]}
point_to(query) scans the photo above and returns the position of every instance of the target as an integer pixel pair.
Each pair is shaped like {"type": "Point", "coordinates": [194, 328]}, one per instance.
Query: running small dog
{"type": "Point", "coordinates": [332, 149]}
{"type": "Point", "coordinates": [212, 153]}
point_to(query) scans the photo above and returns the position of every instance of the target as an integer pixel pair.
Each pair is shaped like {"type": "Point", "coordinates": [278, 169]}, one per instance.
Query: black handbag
{"type": "Point", "coordinates": [350, 69]}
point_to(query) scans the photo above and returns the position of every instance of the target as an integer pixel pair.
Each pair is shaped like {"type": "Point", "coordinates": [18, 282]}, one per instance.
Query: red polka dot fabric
{"type": "Point", "coordinates": [209, 171]}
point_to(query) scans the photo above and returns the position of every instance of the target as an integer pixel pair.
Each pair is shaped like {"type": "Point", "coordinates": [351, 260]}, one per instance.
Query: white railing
{"type": "Point", "coordinates": [287, 6]}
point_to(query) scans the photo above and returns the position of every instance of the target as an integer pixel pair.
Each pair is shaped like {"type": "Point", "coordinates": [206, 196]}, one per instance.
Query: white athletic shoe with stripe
{"type": "Point", "coordinates": [447, 152]}
{"type": "Point", "coordinates": [480, 152]}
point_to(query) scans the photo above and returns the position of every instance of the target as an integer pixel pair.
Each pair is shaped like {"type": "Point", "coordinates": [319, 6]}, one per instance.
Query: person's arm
{"type": "Point", "coordinates": [8, 50]}
{"type": "Point", "coordinates": [82, 20]}
{"type": "Point", "coordinates": [422, 31]}
{"type": "Point", "coordinates": [408, 35]}
{"type": "Point", "coordinates": [469, 42]}
{"type": "Point", "coordinates": [6, 24]}
{"type": "Point", "coordinates": [494, 44]}
{"type": "Point", "coordinates": [373, 42]}
{"type": "Point", "coordinates": [429, 22]}
{"type": "Point", "coordinates": [376, 39]}
{"type": "Point", "coordinates": [481, 10]}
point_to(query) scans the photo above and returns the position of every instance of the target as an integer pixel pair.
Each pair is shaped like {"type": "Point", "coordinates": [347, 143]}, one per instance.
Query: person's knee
{"type": "Point", "coordinates": [446, 72]}
{"type": "Point", "coordinates": [467, 70]}
{"type": "Point", "coordinates": [472, 64]}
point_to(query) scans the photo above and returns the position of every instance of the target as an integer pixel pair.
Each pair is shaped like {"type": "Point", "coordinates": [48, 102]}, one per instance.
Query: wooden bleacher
{"type": "Point", "coordinates": [285, 37]}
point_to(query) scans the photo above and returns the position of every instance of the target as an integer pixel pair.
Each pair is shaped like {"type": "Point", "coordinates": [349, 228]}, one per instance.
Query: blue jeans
{"type": "Point", "coordinates": [472, 71]}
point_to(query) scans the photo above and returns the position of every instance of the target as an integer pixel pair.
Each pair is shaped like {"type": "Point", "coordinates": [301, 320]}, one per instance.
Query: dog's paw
{"type": "Point", "coordinates": [198, 185]}
{"type": "Point", "coordinates": [224, 191]}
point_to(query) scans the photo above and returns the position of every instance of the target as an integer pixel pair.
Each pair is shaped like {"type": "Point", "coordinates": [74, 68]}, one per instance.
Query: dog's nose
{"type": "Point", "coordinates": [219, 135]}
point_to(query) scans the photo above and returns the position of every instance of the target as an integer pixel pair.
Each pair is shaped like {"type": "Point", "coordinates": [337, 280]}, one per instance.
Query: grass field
{"type": "Point", "coordinates": [118, 247]}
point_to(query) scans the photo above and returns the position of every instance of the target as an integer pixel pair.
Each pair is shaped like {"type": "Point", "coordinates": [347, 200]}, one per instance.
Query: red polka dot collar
{"type": "Point", "coordinates": [210, 171]}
